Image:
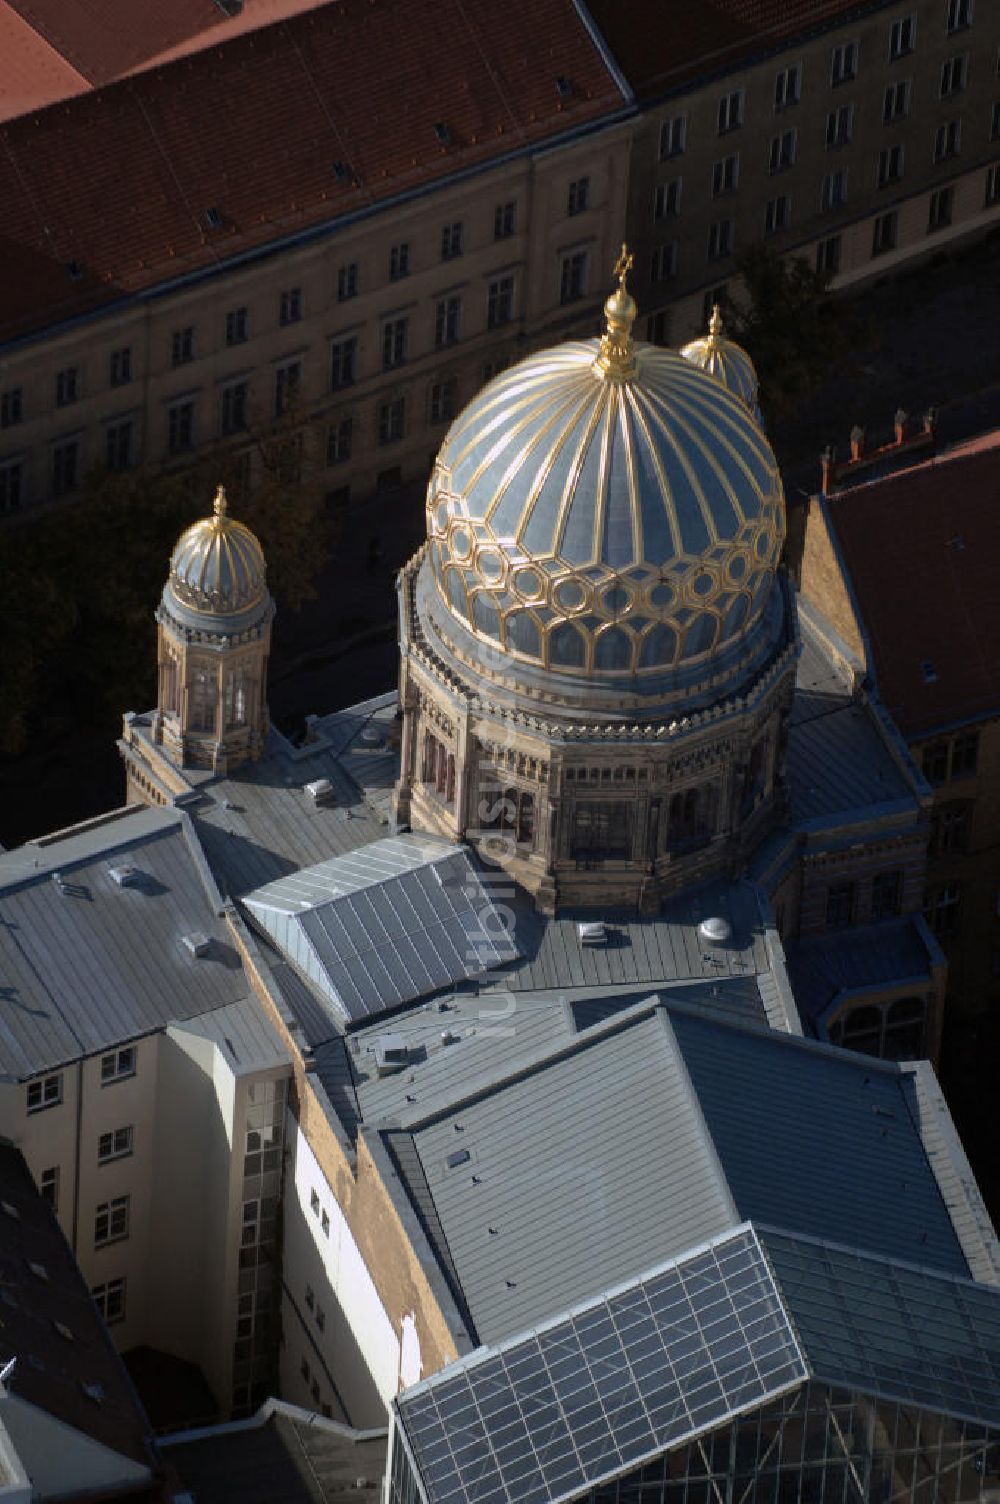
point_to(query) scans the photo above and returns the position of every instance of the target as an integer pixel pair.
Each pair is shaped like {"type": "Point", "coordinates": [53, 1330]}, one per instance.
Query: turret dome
{"type": "Point", "coordinates": [217, 572]}
{"type": "Point", "coordinates": [727, 361]}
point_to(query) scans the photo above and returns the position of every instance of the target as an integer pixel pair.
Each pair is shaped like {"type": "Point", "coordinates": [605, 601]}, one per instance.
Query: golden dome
{"type": "Point", "coordinates": [217, 567]}
{"type": "Point", "coordinates": [727, 361]}
{"type": "Point", "coordinates": [605, 507]}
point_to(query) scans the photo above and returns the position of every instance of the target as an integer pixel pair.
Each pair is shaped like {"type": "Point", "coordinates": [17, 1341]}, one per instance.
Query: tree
{"type": "Point", "coordinates": [791, 327]}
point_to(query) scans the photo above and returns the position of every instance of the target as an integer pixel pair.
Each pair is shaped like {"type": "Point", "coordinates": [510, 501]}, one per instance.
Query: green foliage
{"type": "Point", "coordinates": [79, 585]}
{"type": "Point", "coordinates": [794, 332]}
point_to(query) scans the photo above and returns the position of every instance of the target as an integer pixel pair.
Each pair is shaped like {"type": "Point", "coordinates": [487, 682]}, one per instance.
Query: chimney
{"type": "Point", "coordinates": [857, 442]}
{"type": "Point", "coordinates": [899, 424]}
{"type": "Point", "coordinates": [826, 471]}
{"type": "Point", "coordinates": [930, 421]}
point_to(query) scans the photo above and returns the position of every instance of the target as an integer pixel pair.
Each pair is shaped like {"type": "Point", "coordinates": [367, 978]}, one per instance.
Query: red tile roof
{"type": "Point", "coordinates": [32, 72]}
{"type": "Point", "coordinates": [119, 180]}
{"type": "Point", "coordinates": [662, 44]}
{"type": "Point", "coordinates": [921, 549]}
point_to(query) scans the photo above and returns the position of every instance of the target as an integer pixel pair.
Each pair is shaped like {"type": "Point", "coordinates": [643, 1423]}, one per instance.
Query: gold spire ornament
{"type": "Point", "coordinates": [616, 360]}
{"type": "Point", "coordinates": [220, 503]}
{"type": "Point", "coordinates": [715, 325]}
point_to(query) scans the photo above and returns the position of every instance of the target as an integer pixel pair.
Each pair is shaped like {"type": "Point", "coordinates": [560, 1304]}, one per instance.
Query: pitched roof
{"type": "Point", "coordinates": [75, 976]}
{"type": "Point", "coordinates": [52, 1368]}
{"type": "Point", "coordinates": [120, 180]}
{"type": "Point", "coordinates": [664, 44]}
{"type": "Point", "coordinates": [651, 1134]}
{"type": "Point", "coordinates": [936, 642]}
{"type": "Point", "coordinates": [392, 922]}
{"type": "Point", "coordinates": [688, 1344]}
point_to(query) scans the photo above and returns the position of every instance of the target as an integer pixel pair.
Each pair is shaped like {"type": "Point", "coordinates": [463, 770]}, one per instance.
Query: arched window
{"type": "Point", "coordinates": [201, 700]}
{"type": "Point", "coordinates": [526, 819]}
{"type": "Point", "coordinates": [904, 1029]}
{"type": "Point", "coordinates": [449, 790]}
{"type": "Point", "coordinates": [235, 699]}
{"type": "Point", "coordinates": [691, 818]}
{"type": "Point", "coordinates": [860, 1029]}
{"type": "Point", "coordinates": [170, 685]}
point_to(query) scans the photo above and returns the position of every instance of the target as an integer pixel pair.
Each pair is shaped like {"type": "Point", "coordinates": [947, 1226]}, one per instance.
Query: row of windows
{"type": "Point", "coordinates": [842, 899]}
{"type": "Point", "coordinates": [888, 166]}
{"type": "Point", "coordinates": [844, 65]}
{"type": "Point", "coordinates": [665, 258]}
{"type": "Point", "coordinates": [47, 1091]}
{"type": "Point", "coordinates": [956, 757]}
{"type": "Point", "coordinates": [314, 1388]}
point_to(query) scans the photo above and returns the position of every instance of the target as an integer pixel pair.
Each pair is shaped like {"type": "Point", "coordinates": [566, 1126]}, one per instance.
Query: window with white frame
{"type": "Point", "coordinates": [959, 15]}
{"type": "Point", "coordinates": [11, 407]}
{"type": "Point", "coordinates": [180, 426]}
{"type": "Point", "coordinates": [111, 1220]}
{"type": "Point", "coordinates": [720, 239]}
{"type": "Point", "coordinates": [890, 165]}
{"type": "Point", "coordinates": [828, 254]}
{"type": "Point", "coordinates": [940, 209]}
{"type": "Point", "coordinates": [447, 317]}
{"type": "Point", "coordinates": [452, 240]}
{"type": "Point", "coordinates": [942, 909]}
{"type": "Point", "coordinates": [110, 1299]}
{"type": "Point", "coordinates": [573, 276]}
{"type": "Point", "coordinates": [500, 301]}
{"type": "Point", "coordinates": [673, 137]}
{"type": "Point", "coordinates": [47, 1091]}
{"type": "Point", "coordinates": [67, 386]}
{"type": "Point", "coordinates": [182, 346]}
{"type": "Point", "coordinates": [902, 37]}
{"type": "Point", "coordinates": [884, 233]}
{"type": "Point", "coordinates": [504, 220]}
{"type": "Point", "coordinates": [118, 1064]}
{"type": "Point", "coordinates": [844, 63]}
{"type": "Point", "coordinates": [391, 420]}
{"type": "Point", "coordinates": [119, 438]}
{"type": "Point", "coordinates": [120, 366]}
{"type": "Point", "coordinates": [731, 111]}
{"type": "Point", "coordinates": [343, 362]}
{"type": "Point", "coordinates": [394, 338]}
{"type": "Point", "coordinates": [11, 485]}
{"type": "Point", "coordinates": [443, 400]}
{"type": "Point", "coordinates": [787, 86]}
{"type": "Point", "coordinates": [578, 196]}
{"type": "Point", "coordinates": [840, 126]}
{"type": "Point", "coordinates": [777, 214]}
{"type": "Point", "coordinates": [954, 74]}
{"type": "Point", "coordinates": [233, 405]}
{"type": "Point", "coordinates": [48, 1185]}
{"type": "Point", "coordinates": [781, 153]}
{"type": "Point", "coordinates": [947, 139]}
{"type": "Point", "coordinates": [287, 385]}
{"type": "Point", "coordinates": [399, 261]}
{"type": "Point", "coordinates": [663, 262]}
{"type": "Point", "coordinates": [896, 101]}
{"type": "Point", "coordinates": [339, 441]}
{"type": "Point", "coordinates": [348, 281]}
{"type": "Point", "coordinates": [290, 306]}
{"type": "Point", "coordinates": [114, 1145]}
{"type": "Point", "coordinates": [667, 199]}
{"type": "Point", "coordinates": [65, 466]}
{"type": "Point", "coordinates": [237, 326]}
{"type": "Point", "coordinates": [726, 175]}
{"type": "Point", "coordinates": [990, 198]}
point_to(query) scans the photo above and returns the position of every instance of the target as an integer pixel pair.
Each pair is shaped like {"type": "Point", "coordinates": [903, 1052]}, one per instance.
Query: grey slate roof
{"type": "Point", "coordinates": [839, 766]}
{"type": "Point", "coordinates": [406, 916]}
{"type": "Point", "coordinates": [672, 1354]}
{"type": "Point", "coordinates": [244, 1034]}
{"type": "Point", "coordinates": [86, 964]}
{"type": "Point", "coordinates": [823, 968]}
{"type": "Point", "coordinates": [654, 1132]}
{"type": "Point", "coordinates": [258, 823]}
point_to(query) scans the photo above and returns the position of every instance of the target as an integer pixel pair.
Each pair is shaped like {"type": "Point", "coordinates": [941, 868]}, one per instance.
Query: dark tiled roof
{"type": "Point", "coordinates": [662, 44]}
{"type": "Point", "coordinates": [51, 1368]}
{"type": "Point", "coordinates": [935, 637]}
{"type": "Point", "coordinates": [120, 180]}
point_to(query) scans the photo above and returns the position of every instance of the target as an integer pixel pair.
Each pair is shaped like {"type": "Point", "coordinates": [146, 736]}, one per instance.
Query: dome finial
{"type": "Point", "coordinates": [219, 506]}
{"type": "Point", "coordinates": [715, 325]}
{"type": "Point", "coordinates": [616, 360]}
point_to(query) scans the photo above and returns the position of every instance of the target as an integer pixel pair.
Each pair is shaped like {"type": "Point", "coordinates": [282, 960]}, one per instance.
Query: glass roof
{"type": "Point", "coordinates": [892, 1329]}
{"type": "Point", "coordinates": [548, 1415]}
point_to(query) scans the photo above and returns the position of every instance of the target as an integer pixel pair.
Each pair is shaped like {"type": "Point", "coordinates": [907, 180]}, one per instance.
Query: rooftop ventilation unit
{"type": "Point", "coordinates": [198, 943]}
{"type": "Point", "coordinates": [371, 737]}
{"type": "Point", "coordinates": [442, 132]}
{"type": "Point", "coordinates": [213, 219]}
{"type": "Point", "coordinates": [563, 87]}
{"type": "Point", "coordinates": [715, 930]}
{"type": "Point", "coordinates": [321, 791]}
{"type": "Point", "coordinates": [391, 1054]}
{"type": "Point", "coordinates": [592, 932]}
{"type": "Point", "coordinates": [126, 875]}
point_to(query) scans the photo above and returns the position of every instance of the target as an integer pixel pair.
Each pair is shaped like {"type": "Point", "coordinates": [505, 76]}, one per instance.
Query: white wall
{"type": "Point", "coordinates": [359, 1347]}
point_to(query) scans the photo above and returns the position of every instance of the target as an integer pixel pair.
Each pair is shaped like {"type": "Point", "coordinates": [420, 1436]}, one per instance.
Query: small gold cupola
{"type": "Point", "coordinates": [616, 359]}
